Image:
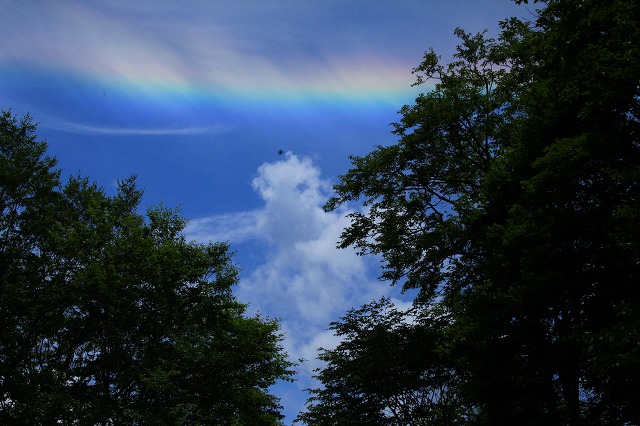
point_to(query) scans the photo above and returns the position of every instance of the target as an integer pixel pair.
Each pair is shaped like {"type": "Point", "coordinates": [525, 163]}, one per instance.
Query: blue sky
{"type": "Point", "coordinates": [197, 98]}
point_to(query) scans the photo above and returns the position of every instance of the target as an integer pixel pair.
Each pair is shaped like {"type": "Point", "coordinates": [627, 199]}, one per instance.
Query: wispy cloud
{"type": "Point", "coordinates": [123, 131]}
{"type": "Point", "coordinates": [237, 227]}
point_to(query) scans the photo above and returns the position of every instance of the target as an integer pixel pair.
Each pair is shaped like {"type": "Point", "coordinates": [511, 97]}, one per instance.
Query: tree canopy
{"type": "Point", "coordinates": [109, 316]}
{"type": "Point", "coordinates": [391, 367]}
{"type": "Point", "coordinates": [510, 202]}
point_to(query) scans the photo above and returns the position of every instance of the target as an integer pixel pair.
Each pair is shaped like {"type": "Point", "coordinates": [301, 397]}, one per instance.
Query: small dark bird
{"type": "Point", "coordinates": [280, 152]}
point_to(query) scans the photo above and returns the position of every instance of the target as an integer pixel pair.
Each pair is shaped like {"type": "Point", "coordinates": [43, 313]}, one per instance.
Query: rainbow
{"type": "Point", "coordinates": [80, 49]}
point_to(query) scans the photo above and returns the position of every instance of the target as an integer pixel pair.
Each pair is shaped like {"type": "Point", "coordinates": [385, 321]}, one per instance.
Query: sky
{"type": "Point", "coordinates": [242, 113]}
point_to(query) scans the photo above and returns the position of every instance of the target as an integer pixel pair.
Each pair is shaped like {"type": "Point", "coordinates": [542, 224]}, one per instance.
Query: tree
{"type": "Point", "coordinates": [28, 199]}
{"type": "Point", "coordinates": [391, 368]}
{"type": "Point", "coordinates": [417, 190]}
{"type": "Point", "coordinates": [557, 247]}
{"type": "Point", "coordinates": [112, 316]}
{"type": "Point", "coordinates": [418, 194]}
{"type": "Point", "coordinates": [511, 200]}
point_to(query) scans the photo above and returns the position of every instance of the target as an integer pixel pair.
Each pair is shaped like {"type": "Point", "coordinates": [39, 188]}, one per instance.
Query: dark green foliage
{"type": "Point", "coordinates": [391, 368]}
{"type": "Point", "coordinates": [511, 202]}
{"type": "Point", "coordinates": [418, 188]}
{"type": "Point", "coordinates": [110, 316]}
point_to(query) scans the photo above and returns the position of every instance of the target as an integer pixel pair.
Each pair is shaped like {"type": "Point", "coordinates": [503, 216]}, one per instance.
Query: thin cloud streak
{"type": "Point", "coordinates": [122, 131]}
{"type": "Point", "coordinates": [236, 227]}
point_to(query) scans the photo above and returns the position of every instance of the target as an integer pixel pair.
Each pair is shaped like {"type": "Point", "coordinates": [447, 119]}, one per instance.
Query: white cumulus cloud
{"type": "Point", "coordinates": [302, 278]}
